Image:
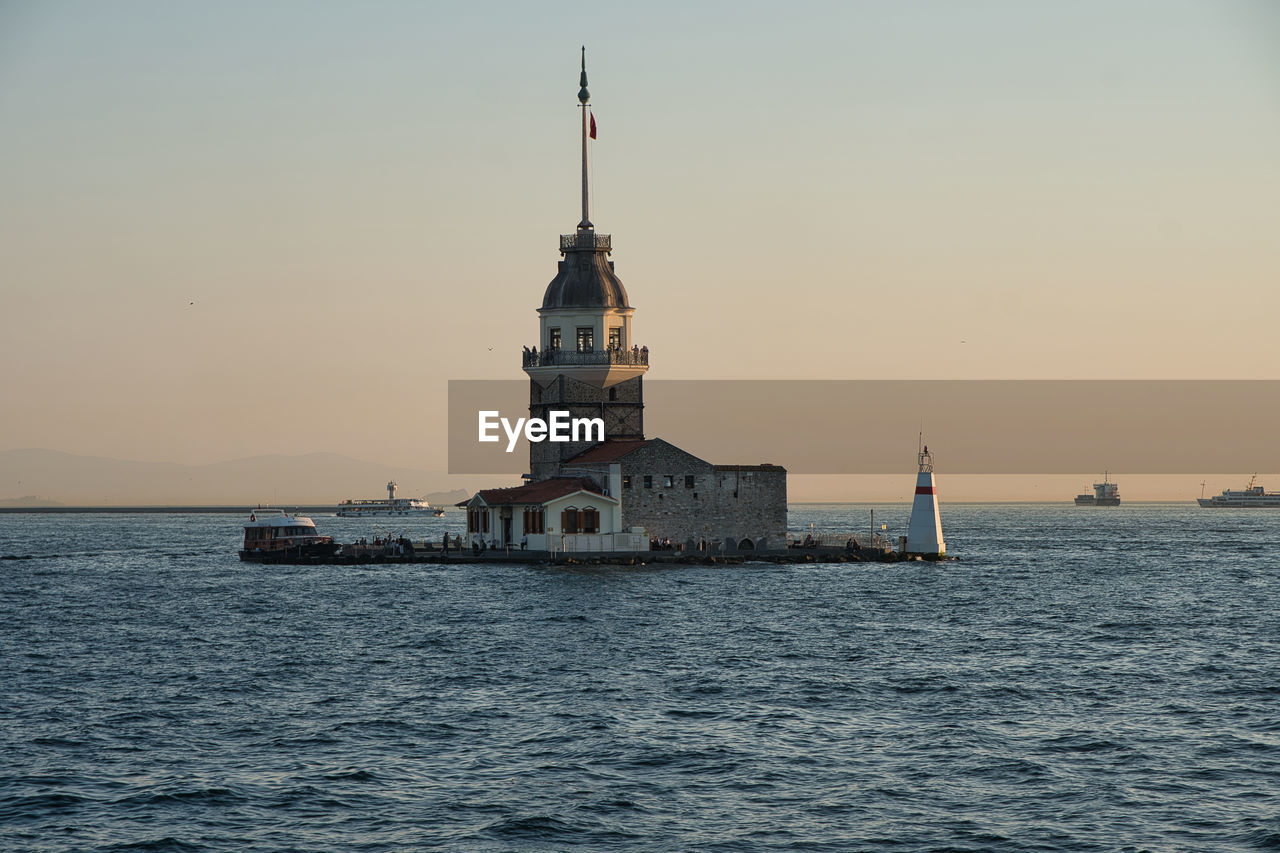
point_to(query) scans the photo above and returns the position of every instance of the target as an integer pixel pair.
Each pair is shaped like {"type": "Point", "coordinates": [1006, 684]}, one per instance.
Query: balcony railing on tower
{"type": "Point", "coordinates": [634, 357]}
{"type": "Point", "coordinates": [586, 240]}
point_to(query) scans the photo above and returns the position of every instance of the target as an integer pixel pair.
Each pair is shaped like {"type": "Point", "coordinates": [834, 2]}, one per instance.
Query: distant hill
{"type": "Point", "coordinates": [29, 500]}
{"type": "Point", "coordinates": [449, 498]}
{"type": "Point", "coordinates": [313, 478]}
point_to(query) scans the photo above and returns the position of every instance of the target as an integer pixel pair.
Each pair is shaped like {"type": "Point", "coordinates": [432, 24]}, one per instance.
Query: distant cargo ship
{"type": "Point", "coordinates": [377, 508]}
{"type": "Point", "coordinates": [1252, 496]}
{"type": "Point", "coordinates": [1105, 493]}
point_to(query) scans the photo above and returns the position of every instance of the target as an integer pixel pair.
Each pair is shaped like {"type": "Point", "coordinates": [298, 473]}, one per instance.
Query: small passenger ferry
{"type": "Point", "coordinates": [272, 534]}
{"type": "Point", "coordinates": [390, 507]}
{"type": "Point", "coordinates": [1251, 496]}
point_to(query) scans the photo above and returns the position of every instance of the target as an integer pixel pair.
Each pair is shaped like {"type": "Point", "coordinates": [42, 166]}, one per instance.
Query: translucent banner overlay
{"type": "Point", "coordinates": [972, 426]}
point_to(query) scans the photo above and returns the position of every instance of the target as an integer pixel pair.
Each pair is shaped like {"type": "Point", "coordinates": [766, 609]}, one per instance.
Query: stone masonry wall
{"type": "Point", "coordinates": [621, 407]}
{"type": "Point", "coordinates": [723, 502]}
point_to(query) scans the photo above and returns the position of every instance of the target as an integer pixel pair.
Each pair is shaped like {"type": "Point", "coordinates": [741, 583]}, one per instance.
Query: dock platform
{"type": "Point", "coordinates": [358, 555]}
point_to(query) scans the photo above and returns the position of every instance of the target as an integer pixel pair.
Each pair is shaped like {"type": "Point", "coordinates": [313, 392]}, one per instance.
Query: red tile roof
{"type": "Point", "coordinates": [539, 492]}
{"type": "Point", "coordinates": [608, 451]}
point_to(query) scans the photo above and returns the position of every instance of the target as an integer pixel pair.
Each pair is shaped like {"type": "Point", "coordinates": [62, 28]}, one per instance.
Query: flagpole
{"type": "Point", "coordinates": [583, 97]}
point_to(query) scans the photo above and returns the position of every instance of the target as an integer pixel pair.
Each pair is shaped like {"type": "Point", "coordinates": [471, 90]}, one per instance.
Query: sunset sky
{"type": "Point", "coordinates": [238, 229]}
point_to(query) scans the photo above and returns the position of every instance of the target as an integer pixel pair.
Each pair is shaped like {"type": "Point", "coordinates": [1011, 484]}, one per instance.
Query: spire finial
{"type": "Point", "coordinates": [583, 97]}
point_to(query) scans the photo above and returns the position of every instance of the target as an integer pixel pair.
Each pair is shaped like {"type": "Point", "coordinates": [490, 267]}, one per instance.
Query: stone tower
{"type": "Point", "coordinates": [586, 362]}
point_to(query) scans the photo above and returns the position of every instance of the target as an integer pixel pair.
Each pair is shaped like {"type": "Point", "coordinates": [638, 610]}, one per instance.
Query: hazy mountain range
{"type": "Point", "coordinates": [43, 477]}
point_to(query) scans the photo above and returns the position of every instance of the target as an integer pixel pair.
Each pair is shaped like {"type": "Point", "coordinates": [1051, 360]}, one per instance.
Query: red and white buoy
{"type": "Point", "coordinates": [924, 530]}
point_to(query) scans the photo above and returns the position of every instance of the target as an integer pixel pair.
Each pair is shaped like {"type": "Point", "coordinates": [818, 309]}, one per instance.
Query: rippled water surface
{"type": "Point", "coordinates": [1082, 679]}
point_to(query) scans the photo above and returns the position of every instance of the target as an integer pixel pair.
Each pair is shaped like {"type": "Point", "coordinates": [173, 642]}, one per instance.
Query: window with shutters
{"type": "Point", "coordinates": [569, 520]}
{"type": "Point", "coordinates": [534, 520]}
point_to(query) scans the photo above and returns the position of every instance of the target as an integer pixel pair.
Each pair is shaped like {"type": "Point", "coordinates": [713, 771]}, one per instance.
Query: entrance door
{"type": "Point", "coordinates": [506, 531]}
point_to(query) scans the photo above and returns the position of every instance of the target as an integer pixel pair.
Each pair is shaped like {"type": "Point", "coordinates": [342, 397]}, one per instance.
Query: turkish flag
{"type": "Point", "coordinates": [593, 125]}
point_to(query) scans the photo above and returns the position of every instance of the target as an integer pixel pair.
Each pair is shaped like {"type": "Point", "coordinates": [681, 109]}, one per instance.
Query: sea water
{"type": "Point", "coordinates": [1080, 679]}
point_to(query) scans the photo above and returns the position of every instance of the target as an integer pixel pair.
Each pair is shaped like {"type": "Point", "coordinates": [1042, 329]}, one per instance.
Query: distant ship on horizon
{"type": "Point", "coordinates": [1105, 493]}
{"type": "Point", "coordinates": [390, 506]}
{"type": "Point", "coordinates": [1252, 496]}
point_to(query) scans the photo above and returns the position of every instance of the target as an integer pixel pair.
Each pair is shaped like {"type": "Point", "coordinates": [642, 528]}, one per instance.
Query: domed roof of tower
{"type": "Point", "coordinates": [585, 280]}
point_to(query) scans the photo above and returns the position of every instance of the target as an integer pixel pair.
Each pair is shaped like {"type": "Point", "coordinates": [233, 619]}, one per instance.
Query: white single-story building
{"type": "Point", "coordinates": [557, 515]}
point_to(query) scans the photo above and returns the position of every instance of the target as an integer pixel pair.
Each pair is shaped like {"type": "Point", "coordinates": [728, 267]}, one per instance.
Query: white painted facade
{"type": "Point", "coordinates": [599, 320]}
{"type": "Point", "coordinates": [502, 525]}
{"type": "Point", "coordinates": [601, 371]}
